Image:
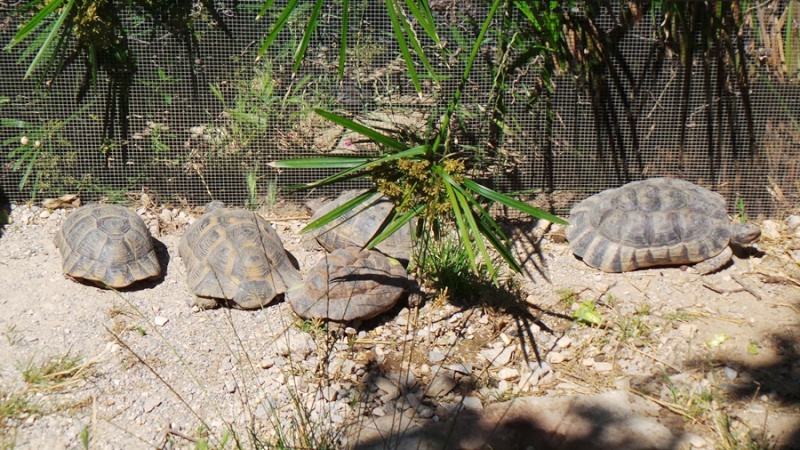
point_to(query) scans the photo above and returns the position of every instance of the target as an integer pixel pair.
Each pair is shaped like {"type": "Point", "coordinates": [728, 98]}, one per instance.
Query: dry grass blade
{"type": "Point", "coordinates": [57, 373]}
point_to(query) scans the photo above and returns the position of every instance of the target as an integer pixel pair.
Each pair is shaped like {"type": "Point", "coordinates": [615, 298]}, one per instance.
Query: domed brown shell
{"type": "Point", "coordinates": [107, 244]}
{"type": "Point", "coordinates": [655, 222]}
{"type": "Point", "coordinates": [349, 284]}
{"type": "Point", "coordinates": [356, 228]}
{"type": "Point", "coordinates": [235, 255]}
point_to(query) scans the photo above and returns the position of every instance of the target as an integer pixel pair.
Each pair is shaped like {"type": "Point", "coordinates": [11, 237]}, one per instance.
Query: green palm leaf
{"type": "Point", "coordinates": [511, 202]}
{"type": "Point", "coordinates": [397, 222]}
{"type": "Point", "coordinates": [392, 9]}
{"type": "Point", "coordinates": [278, 26]}
{"type": "Point", "coordinates": [300, 53]}
{"type": "Point", "coordinates": [370, 133]}
{"type": "Point", "coordinates": [341, 210]}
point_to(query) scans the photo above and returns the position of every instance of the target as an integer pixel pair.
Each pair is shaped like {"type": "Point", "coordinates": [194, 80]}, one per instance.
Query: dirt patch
{"type": "Point", "coordinates": [715, 357]}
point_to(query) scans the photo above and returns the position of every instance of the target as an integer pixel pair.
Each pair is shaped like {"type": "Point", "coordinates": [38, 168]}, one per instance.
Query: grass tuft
{"type": "Point", "coordinates": [54, 372]}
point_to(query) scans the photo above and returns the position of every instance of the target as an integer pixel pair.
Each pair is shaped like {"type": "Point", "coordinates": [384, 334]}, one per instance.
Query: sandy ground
{"type": "Point", "coordinates": [715, 356]}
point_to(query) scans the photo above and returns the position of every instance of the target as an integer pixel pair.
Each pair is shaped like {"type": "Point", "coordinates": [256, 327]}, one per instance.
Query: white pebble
{"type": "Point", "coordinates": [160, 321]}
{"type": "Point", "coordinates": [603, 366]}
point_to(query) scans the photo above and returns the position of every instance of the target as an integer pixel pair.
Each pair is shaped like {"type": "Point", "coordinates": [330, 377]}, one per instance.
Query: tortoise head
{"type": "Point", "coordinates": [215, 205]}
{"type": "Point", "coordinates": [744, 233]}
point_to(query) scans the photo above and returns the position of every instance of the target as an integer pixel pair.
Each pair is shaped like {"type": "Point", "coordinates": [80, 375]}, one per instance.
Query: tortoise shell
{"type": "Point", "coordinates": [357, 228]}
{"type": "Point", "coordinates": [655, 222]}
{"type": "Point", "coordinates": [107, 244]}
{"type": "Point", "coordinates": [349, 284]}
{"type": "Point", "coordinates": [235, 256]}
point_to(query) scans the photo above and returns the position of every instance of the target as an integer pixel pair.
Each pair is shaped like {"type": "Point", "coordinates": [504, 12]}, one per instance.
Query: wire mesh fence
{"type": "Point", "coordinates": [197, 116]}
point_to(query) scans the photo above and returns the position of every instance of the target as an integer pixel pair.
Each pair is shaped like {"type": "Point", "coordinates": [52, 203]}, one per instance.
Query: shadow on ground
{"type": "Point", "coordinates": [777, 380]}
{"type": "Point", "coordinates": [613, 419]}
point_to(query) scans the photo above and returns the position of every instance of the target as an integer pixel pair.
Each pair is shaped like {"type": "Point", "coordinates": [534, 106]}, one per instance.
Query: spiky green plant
{"type": "Point", "coordinates": [429, 182]}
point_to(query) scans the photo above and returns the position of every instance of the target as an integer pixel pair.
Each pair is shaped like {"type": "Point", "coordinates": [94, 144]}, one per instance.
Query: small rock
{"type": "Point", "coordinates": [230, 386]}
{"type": "Point", "coordinates": [464, 368]}
{"type": "Point", "coordinates": [564, 342]}
{"type": "Point", "coordinates": [770, 229]}
{"type": "Point", "coordinates": [603, 366]}
{"type": "Point", "coordinates": [385, 385]}
{"type": "Point", "coordinates": [588, 362]}
{"type": "Point", "coordinates": [472, 403]}
{"type": "Point", "coordinates": [424, 369]}
{"type": "Point", "coordinates": [436, 357]}
{"type": "Point", "coordinates": [409, 401]}
{"type": "Point", "coordinates": [425, 412]}
{"type": "Point", "coordinates": [441, 385]}
{"type": "Point", "coordinates": [267, 362]}
{"type": "Point", "coordinates": [567, 386]}
{"type": "Point", "coordinates": [404, 379]}
{"type": "Point", "coordinates": [330, 393]}
{"type": "Point", "coordinates": [695, 441]}
{"type": "Point", "coordinates": [151, 403]}
{"type": "Point", "coordinates": [555, 357]}
{"type": "Point", "coordinates": [508, 374]}
{"type": "Point", "coordinates": [498, 357]}
{"type": "Point", "coordinates": [730, 374]}
{"type": "Point", "coordinates": [160, 321]}
{"type": "Point", "coordinates": [622, 383]}
{"type": "Point", "coordinates": [793, 222]}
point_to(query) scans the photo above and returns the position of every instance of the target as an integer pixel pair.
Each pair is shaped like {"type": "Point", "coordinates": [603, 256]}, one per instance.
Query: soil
{"type": "Point", "coordinates": [715, 356]}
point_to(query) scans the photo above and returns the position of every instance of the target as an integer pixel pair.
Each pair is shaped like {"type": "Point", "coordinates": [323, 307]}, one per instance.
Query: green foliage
{"type": "Point", "coordinates": [38, 147]}
{"type": "Point", "coordinates": [259, 109]}
{"type": "Point", "coordinates": [567, 296]}
{"type": "Point", "coordinates": [443, 263]}
{"type": "Point", "coordinates": [791, 39]}
{"type": "Point", "coordinates": [53, 371]}
{"type": "Point", "coordinates": [57, 35]}
{"type": "Point", "coordinates": [84, 435]}
{"type": "Point", "coordinates": [587, 314]}
{"type": "Point", "coordinates": [741, 210]}
{"type": "Point", "coordinates": [15, 406]}
{"type": "Point", "coordinates": [426, 177]}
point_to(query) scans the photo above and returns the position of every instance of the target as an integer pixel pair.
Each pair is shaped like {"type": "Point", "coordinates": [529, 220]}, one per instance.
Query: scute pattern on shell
{"type": "Point", "coordinates": [236, 255]}
{"type": "Point", "coordinates": [350, 284]}
{"type": "Point", "coordinates": [660, 221]}
{"type": "Point", "coordinates": [356, 228]}
{"type": "Point", "coordinates": [108, 244]}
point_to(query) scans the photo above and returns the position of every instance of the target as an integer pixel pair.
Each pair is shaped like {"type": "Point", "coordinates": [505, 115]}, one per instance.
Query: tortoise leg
{"type": "Point", "coordinates": [205, 303]}
{"type": "Point", "coordinates": [714, 264]}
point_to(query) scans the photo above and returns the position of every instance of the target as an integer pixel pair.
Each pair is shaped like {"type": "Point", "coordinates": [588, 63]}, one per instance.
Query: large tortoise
{"type": "Point", "coordinates": [237, 257]}
{"type": "Point", "coordinates": [356, 228]}
{"type": "Point", "coordinates": [108, 245]}
{"type": "Point", "coordinates": [349, 284]}
{"type": "Point", "coordinates": [655, 222]}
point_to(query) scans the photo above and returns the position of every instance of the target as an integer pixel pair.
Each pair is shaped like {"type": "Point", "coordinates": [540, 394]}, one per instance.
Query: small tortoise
{"type": "Point", "coordinates": [235, 255]}
{"type": "Point", "coordinates": [107, 244]}
{"type": "Point", "coordinates": [656, 222]}
{"type": "Point", "coordinates": [356, 228]}
{"type": "Point", "coordinates": [349, 284]}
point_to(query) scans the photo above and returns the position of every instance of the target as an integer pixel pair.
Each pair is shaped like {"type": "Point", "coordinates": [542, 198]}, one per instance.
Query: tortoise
{"type": "Point", "coordinates": [655, 222]}
{"type": "Point", "coordinates": [349, 284]}
{"type": "Point", "coordinates": [357, 227]}
{"type": "Point", "coordinates": [107, 244]}
{"type": "Point", "coordinates": [235, 256]}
